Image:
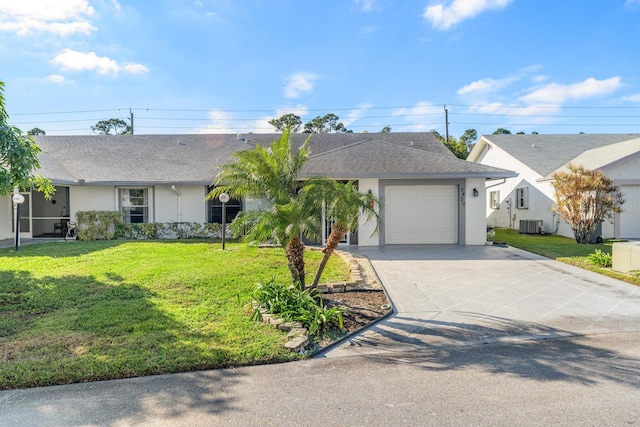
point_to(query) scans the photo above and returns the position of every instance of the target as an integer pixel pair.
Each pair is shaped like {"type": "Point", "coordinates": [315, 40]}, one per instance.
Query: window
{"type": "Point", "coordinates": [232, 208]}
{"type": "Point", "coordinates": [494, 199]}
{"type": "Point", "coordinates": [134, 205]}
{"type": "Point", "coordinates": [522, 198]}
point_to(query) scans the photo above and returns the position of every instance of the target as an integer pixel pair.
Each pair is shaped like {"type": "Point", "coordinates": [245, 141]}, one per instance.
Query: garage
{"type": "Point", "coordinates": [630, 215]}
{"type": "Point", "coordinates": [421, 214]}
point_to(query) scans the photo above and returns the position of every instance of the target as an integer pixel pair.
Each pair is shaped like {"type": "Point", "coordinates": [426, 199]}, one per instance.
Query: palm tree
{"type": "Point", "coordinates": [343, 205]}
{"type": "Point", "coordinates": [272, 174]}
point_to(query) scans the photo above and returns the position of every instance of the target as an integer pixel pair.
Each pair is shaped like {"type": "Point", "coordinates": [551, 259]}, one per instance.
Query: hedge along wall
{"type": "Point", "coordinates": [107, 225]}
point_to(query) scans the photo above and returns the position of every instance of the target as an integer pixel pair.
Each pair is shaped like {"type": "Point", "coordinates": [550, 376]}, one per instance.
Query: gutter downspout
{"type": "Point", "coordinates": [173, 187]}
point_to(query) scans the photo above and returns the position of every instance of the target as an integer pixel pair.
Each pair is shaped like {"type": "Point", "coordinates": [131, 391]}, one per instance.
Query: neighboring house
{"type": "Point", "coordinates": [530, 195]}
{"type": "Point", "coordinates": [429, 195]}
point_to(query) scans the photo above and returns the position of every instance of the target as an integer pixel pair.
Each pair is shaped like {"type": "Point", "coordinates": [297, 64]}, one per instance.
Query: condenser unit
{"type": "Point", "coordinates": [530, 226]}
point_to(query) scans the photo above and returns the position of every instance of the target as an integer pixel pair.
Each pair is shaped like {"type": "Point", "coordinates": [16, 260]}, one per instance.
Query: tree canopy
{"type": "Point", "coordinates": [329, 123]}
{"type": "Point", "coordinates": [18, 157]}
{"type": "Point", "coordinates": [111, 127]}
{"type": "Point", "coordinates": [458, 147]}
{"type": "Point", "coordinates": [584, 198]}
{"type": "Point", "coordinates": [36, 132]}
{"type": "Point", "coordinates": [287, 121]}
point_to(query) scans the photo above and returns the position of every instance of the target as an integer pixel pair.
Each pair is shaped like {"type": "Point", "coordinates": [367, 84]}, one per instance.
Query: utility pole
{"type": "Point", "coordinates": [446, 125]}
{"type": "Point", "coordinates": [131, 113]}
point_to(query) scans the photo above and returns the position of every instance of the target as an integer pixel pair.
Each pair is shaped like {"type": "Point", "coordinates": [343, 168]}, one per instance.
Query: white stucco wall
{"type": "Point", "coordinates": [91, 198]}
{"type": "Point", "coordinates": [365, 230]}
{"type": "Point", "coordinates": [164, 204]}
{"type": "Point", "coordinates": [188, 206]}
{"type": "Point", "coordinates": [475, 224]}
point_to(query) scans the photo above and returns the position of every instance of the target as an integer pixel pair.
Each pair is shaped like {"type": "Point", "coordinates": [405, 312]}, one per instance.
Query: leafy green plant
{"type": "Point", "coordinates": [295, 305]}
{"type": "Point", "coordinates": [98, 225]}
{"type": "Point", "coordinates": [600, 258]}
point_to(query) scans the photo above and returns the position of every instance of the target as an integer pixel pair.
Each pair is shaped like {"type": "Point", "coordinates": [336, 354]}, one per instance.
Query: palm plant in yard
{"type": "Point", "coordinates": [344, 204]}
{"type": "Point", "coordinates": [271, 174]}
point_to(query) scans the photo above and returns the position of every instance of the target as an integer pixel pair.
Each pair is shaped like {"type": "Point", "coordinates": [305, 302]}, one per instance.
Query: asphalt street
{"type": "Point", "coordinates": [575, 381]}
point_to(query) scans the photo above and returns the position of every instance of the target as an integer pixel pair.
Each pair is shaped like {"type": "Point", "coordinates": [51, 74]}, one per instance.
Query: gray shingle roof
{"type": "Point", "coordinates": [192, 159]}
{"type": "Point", "coordinates": [547, 153]}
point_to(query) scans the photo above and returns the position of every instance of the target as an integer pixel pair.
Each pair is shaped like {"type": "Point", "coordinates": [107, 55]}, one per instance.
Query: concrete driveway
{"type": "Point", "coordinates": [454, 295]}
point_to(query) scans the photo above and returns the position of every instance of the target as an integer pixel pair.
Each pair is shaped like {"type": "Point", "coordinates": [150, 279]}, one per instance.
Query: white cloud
{"type": "Point", "coordinates": [299, 83]}
{"type": "Point", "coordinates": [443, 17]}
{"type": "Point", "coordinates": [491, 85]}
{"type": "Point", "coordinates": [356, 114]}
{"type": "Point", "coordinates": [422, 117]}
{"type": "Point", "coordinates": [633, 98]}
{"type": "Point", "coordinates": [483, 86]}
{"type": "Point", "coordinates": [71, 60]}
{"type": "Point", "coordinates": [555, 93]}
{"type": "Point", "coordinates": [56, 78]}
{"type": "Point", "coordinates": [33, 16]}
{"type": "Point", "coordinates": [366, 5]}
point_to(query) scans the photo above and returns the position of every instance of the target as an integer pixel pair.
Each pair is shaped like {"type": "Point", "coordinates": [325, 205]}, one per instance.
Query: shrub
{"type": "Point", "coordinates": [295, 305]}
{"type": "Point", "coordinates": [97, 225]}
{"type": "Point", "coordinates": [600, 258]}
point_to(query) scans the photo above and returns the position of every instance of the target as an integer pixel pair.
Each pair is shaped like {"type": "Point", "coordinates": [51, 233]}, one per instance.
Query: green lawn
{"type": "Point", "coordinates": [85, 311]}
{"type": "Point", "coordinates": [562, 249]}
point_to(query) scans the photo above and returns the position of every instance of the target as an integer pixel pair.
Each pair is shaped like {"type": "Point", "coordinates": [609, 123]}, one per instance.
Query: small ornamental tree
{"type": "Point", "coordinates": [584, 198]}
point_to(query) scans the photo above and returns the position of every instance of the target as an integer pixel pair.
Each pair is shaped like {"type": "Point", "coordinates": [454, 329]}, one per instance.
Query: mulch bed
{"type": "Point", "coordinates": [362, 307]}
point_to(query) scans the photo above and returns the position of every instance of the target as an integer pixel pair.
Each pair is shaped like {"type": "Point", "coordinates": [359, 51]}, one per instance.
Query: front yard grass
{"type": "Point", "coordinates": [562, 249]}
{"type": "Point", "coordinates": [86, 311]}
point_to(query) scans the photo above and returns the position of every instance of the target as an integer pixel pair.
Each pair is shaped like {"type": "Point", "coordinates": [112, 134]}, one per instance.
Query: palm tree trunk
{"type": "Point", "coordinates": [338, 231]}
{"type": "Point", "coordinates": [295, 256]}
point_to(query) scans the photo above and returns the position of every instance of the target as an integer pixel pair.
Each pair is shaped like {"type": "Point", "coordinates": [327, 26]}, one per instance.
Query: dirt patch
{"type": "Point", "coordinates": [361, 307]}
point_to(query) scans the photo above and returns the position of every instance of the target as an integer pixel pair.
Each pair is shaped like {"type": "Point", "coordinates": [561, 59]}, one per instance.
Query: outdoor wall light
{"type": "Point", "coordinates": [475, 192]}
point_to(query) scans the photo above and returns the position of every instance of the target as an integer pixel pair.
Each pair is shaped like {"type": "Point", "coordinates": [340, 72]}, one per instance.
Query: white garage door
{"type": "Point", "coordinates": [421, 214]}
{"type": "Point", "coordinates": [630, 215]}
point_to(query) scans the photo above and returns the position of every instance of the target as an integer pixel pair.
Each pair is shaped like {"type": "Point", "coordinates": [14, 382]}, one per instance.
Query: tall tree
{"type": "Point", "coordinates": [386, 129]}
{"type": "Point", "coordinates": [584, 198]}
{"type": "Point", "coordinates": [111, 127]}
{"type": "Point", "coordinates": [329, 123]}
{"type": "Point", "coordinates": [18, 157]}
{"type": "Point", "coordinates": [343, 206]}
{"type": "Point", "coordinates": [36, 132]}
{"type": "Point", "coordinates": [287, 121]}
{"type": "Point", "coordinates": [469, 138]}
{"type": "Point", "coordinates": [457, 147]}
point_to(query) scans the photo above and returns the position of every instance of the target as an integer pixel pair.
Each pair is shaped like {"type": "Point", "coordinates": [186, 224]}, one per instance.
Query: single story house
{"type": "Point", "coordinates": [523, 201]}
{"type": "Point", "coordinates": [429, 195]}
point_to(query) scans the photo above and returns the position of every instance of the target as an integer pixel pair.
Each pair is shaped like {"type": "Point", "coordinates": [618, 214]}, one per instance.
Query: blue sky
{"type": "Point", "coordinates": [228, 66]}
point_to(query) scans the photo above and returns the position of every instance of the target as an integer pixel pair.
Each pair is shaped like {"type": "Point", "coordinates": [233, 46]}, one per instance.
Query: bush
{"type": "Point", "coordinates": [295, 305]}
{"type": "Point", "coordinates": [107, 225]}
{"type": "Point", "coordinates": [600, 258]}
{"type": "Point", "coordinates": [97, 225]}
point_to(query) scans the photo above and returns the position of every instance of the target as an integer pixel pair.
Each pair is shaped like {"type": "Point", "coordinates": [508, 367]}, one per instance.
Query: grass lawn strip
{"type": "Point", "coordinates": [563, 249]}
{"type": "Point", "coordinates": [85, 311]}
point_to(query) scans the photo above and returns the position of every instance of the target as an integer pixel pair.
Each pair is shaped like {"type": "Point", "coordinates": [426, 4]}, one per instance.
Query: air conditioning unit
{"type": "Point", "coordinates": [530, 226]}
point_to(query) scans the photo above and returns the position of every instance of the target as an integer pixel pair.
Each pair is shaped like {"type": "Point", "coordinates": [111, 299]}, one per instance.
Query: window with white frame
{"type": "Point", "coordinates": [134, 205]}
{"type": "Point", "coordinates": [494, 199]}
{"type": "Point", "coordinates": [522, 198]}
